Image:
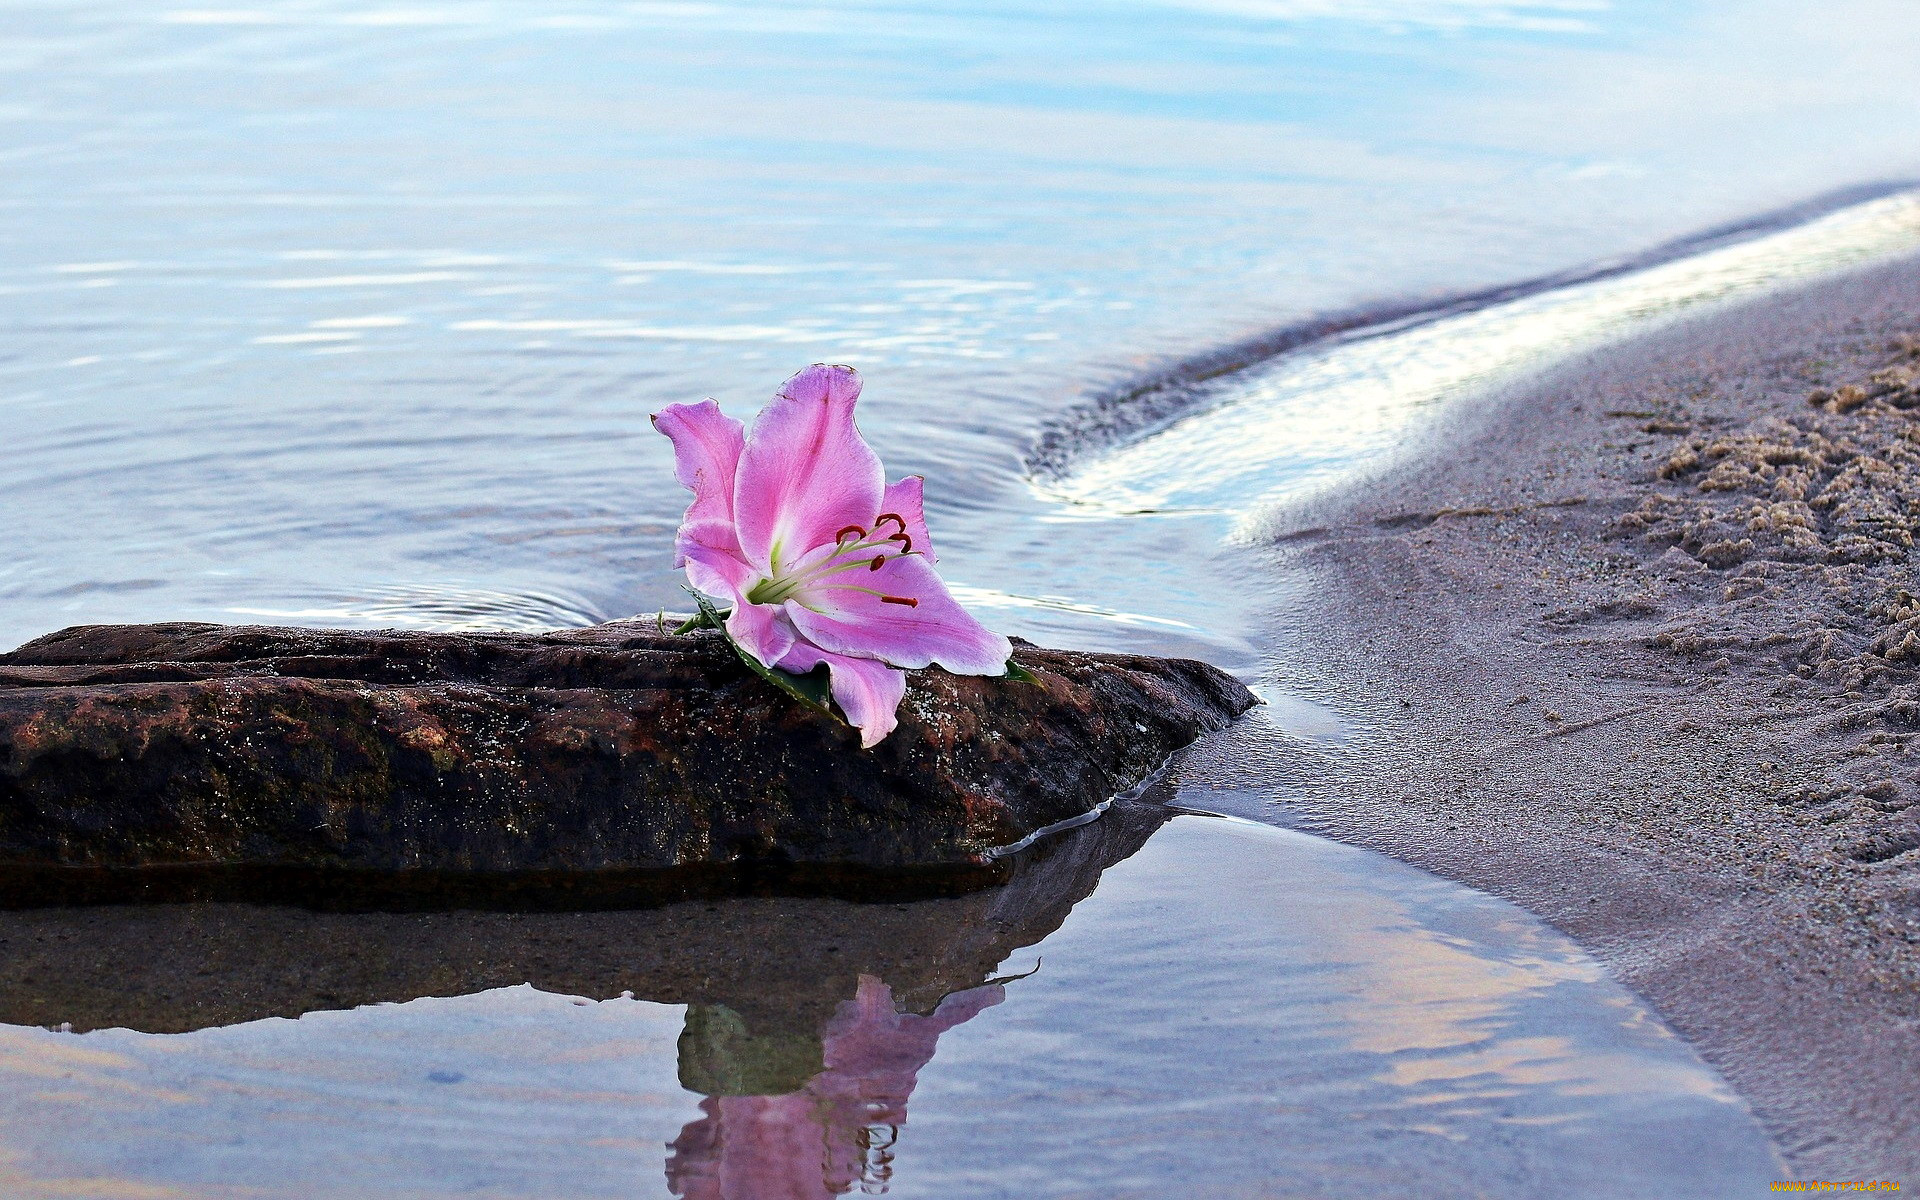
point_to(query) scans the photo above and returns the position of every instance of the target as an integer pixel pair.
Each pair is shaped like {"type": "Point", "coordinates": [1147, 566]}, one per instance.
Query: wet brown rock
{"type": "Point", "coordinates": [309, 757]}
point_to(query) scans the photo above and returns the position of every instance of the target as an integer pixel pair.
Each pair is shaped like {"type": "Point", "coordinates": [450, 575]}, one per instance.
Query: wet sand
{"type": "Point", "coordinates": [1643, 638]}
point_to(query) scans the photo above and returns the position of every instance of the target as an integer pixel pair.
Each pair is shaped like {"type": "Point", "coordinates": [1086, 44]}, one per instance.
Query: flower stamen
{"type": "Point", "coordinates": [909, 601]}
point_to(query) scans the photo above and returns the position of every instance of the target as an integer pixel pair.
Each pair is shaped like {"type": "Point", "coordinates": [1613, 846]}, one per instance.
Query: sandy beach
{"type": "Point", "coordinates": [1640, 638]}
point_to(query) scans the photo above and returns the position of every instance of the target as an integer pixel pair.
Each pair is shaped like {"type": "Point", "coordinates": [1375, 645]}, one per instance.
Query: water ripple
{"type": "Point", "coordinates": [452, 609]}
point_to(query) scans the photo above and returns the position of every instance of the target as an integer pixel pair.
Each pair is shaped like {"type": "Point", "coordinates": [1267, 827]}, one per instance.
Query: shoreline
{"type": "Point", "coordinates": [1175, 389]}
{"type": "Point", "coordinates": [1635, 634]}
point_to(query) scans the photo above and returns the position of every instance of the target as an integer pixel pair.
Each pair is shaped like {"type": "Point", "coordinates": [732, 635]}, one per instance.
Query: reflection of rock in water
{"type": "Point", "coordinates": [804, 1109]}
{"type": "Point", "coordinates": [835, 1130]}
{"type": "Point", "coordinates": [780, 967]}
{"type": "Point", "coordinates": [808, 1020]}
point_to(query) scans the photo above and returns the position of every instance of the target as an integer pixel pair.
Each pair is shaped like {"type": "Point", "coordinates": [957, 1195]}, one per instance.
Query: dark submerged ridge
{"type": "Point", "coordinates": [607, 765]}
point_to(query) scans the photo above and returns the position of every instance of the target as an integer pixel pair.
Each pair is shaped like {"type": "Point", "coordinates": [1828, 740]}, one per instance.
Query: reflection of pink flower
{"type": "Point", "coordinates": [823, 561]}
{"type": "Point", "coordinates": [812, 1144]}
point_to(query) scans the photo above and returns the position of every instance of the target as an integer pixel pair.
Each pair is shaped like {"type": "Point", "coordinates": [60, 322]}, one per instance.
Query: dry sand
{"type": "Point", "coordinates": [1645, 638]}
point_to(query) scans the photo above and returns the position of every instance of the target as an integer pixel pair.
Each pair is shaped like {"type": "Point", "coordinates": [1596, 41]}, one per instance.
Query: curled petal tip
{"type": "Point", "coordinates": [706, 455]}
{"type": "Point", "coordinates": [823, 382]}
{"type": "Point", "coordinates": [905, 502]}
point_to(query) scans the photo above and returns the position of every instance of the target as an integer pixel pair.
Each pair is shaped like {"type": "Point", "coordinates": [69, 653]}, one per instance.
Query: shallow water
{"type": "Point", "coordinates": [1346, 1027]}
{"type": "Point", "coordinates": [344, 312]}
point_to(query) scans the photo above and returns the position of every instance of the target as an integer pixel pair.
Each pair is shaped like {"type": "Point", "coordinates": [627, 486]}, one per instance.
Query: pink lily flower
{"type": "Point", "coordinates": [822, 559]}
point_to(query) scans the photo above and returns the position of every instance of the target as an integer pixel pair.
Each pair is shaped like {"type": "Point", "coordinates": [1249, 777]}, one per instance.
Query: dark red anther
{"type": "Point", "coordinates": [877, 560]}
{"type": "Point", "coordinates": [906, 543]}
{"type": "Point", "coordinates": [842, 535]}
{"type": "Point", "coordinates": [896, 518]}
{"type": "Point", "coordinates": [909, 601]}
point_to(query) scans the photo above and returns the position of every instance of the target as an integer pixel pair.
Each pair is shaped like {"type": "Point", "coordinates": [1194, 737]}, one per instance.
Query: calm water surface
{"type": "Point", "coordinates": [343, 312]}
{"type": "Point", "coordinates": [1352, 1027]}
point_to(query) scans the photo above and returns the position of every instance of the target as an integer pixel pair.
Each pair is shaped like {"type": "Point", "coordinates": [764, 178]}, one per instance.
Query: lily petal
{"type": "Point", "coordinates": [858, 613]}
{"type": "Point", "coordinates": [867, 690]}
{"type": "Point", "coordinates": [906, 500]}
{"type": "Point", "coordinates": [706, 456]}
{"type": "Point", "coordinates": [762, 630]}
{"type": "Point", "coordinates": [711, 554]}
{"type": "Point", "coordinates": [805, 472]}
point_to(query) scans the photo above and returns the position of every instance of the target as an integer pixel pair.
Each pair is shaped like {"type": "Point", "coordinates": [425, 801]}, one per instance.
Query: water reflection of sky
{"type": "Point", "coordinates": [342, 311]}
{"type": "Point", "coordinates": [1338, 1022]}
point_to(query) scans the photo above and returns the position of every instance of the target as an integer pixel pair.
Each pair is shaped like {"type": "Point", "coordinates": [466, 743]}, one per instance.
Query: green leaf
{"type": "Point", "coordinates": [812, 689]}
{"type": "Point", "coordinates": [695, 622]}
{"type": "Point", "coordinates": [708, 617]}
{"type": "Point", "coordinates": [1019, 674]}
